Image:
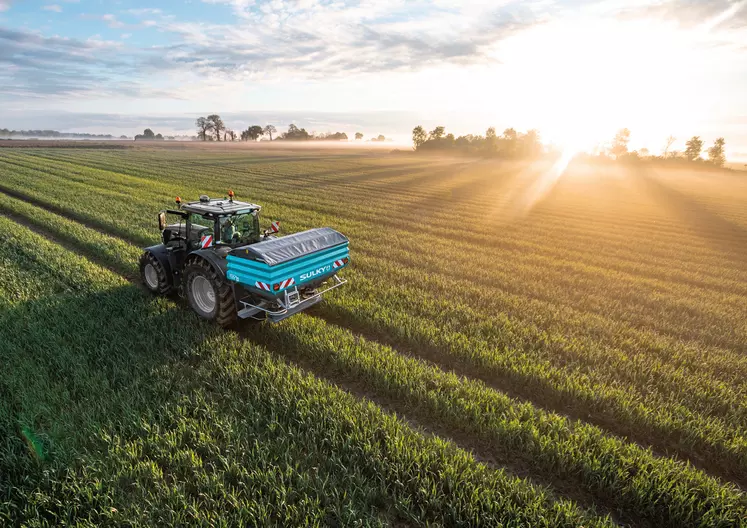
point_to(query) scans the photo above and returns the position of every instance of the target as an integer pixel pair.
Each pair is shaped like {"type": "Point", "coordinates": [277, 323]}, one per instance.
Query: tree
{"type": "Point", "coordinates": [253, 133]}
{"type": "Point", "coordinates": [159, 137]}
{"type": "Point", "coordinates": [269, 130]}
{"type": "Point", "coordinates": [670, 142]}
{"type": "Point", "coordinates": [716, 152]}
{"type": "Point", "coordinates": [358, 136]}
{"type": "Point", "coordinates": [510, 134]}
{"type": "Point", "coordinates": [217, 125]}
{"type": "Point", "coordinates": [204, 126]}
{"type": "Point", "coordinates": [418, 136]}
{"type": "Point", "coordinates": [147, 135]}
{"type": "Point", "coordinates": [530, 143]}
{"type": "Point", "coordinates": [490, 133]}
{"type": "Point", "coordinates": [437, 133]}
{"type": "Point", "coordinates": [620, 143]}
{"type": "Point", "coordinates": [644, 152]}
{"type": "Point", "coordinates": [694, 148]}
{"type": "Point", "coordinates": [230, 133]}
{"type": "Point", "coordinates": [337, 136]}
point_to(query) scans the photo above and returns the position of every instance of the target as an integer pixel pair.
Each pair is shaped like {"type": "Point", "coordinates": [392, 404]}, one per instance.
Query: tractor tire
{"type": "Point", "coordinates": [210, 297]}
{"type": "Point", "coordinates": [153, 275]}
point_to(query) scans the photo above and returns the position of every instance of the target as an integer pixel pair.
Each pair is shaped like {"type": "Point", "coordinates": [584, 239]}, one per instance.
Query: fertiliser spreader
{"type": "Point", "coordinates": [218, 259]}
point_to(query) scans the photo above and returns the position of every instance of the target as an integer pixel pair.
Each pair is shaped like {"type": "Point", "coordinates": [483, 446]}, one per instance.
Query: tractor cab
{"type": "Point", "coordinates": [211, 223]}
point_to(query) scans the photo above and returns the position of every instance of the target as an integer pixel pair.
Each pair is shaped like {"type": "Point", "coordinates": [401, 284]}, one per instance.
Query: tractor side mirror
{"type": "Point", "coordinates": [161, 221]}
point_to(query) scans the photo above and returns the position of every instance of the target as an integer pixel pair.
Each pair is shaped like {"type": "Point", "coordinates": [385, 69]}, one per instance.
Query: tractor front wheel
{"type": "Point", "coordinates": [209, 296]}
{"type": "Point", "coordinates": [153, 275]}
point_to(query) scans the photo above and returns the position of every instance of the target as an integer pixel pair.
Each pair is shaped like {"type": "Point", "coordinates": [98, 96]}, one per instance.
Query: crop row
{"type": "Point", "coordinates": [588, 376]}
{"type": "Point", "coordinates": [389, 210]}
{"type": "Point", "coordinates": [682, 300]}
{"type": "Point", "coordinates": [189, 425]}
{"type": "Point", "coordinates": [531, 286]}
{"type": "Point", "coordinates": [657, 490]}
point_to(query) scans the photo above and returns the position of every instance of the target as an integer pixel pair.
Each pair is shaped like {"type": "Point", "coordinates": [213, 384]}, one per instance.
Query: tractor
{"type": "Point", "coordinates": [216, 256]}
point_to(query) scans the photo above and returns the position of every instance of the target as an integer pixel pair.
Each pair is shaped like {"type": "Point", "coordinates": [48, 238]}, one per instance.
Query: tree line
{"type": "Point", "coordinates": [618, 150]}
{"type": "Point", "coordinates": [212, 128]}
{"type": "Point", "coordinates": [516, 145]}
{"type": "Point", "coordinates": [510, 144]}
{"type": "Point", "coordinates": [7, 133]}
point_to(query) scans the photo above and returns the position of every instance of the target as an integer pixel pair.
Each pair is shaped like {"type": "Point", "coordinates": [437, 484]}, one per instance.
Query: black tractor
{"type": "Point", "coordinates": [217, 257]}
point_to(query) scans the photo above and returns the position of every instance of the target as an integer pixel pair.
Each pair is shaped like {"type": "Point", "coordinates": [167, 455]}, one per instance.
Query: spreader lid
{"type": "Point", "coordinates": [290, 247]}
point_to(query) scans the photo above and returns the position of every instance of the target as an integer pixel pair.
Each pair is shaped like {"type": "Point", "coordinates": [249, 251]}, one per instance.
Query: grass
{"type": "Point", "coordinates": [606, 304]}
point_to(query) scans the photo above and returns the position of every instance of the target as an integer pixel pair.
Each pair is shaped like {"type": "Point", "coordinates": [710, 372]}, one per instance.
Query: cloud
{"type": "Point", "coordinates": [706, 14]}
{"type": "Point", "coordinates": [311, 39]}
{"type": "Point", "coordinates": [112, 21]}
{"type": "Point", "coordinates": [144, 11]}
{"type": "Point", "coordinates": [33, 66]}
{"type": "Point", "coordinates": [53, 7]}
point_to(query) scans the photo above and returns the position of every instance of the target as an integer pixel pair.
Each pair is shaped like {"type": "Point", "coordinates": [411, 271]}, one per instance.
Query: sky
{"type": "Point", "coordinates": [576, 70]}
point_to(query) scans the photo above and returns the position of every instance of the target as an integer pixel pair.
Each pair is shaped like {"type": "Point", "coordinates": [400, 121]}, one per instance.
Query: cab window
{"type": "Point", "coordinates": [239, 229]}
{"type": "Point", "coordinates": [199, 227]}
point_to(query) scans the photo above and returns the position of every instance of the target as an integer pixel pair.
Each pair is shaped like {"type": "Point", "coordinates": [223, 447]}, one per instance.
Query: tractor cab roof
{"type": "Point", "coordinates": [219, 207]}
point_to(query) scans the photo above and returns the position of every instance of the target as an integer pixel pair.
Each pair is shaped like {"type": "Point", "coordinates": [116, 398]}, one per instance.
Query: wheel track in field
{"type": "Point", "coordinates": [541, 397]}
{"type": "Point", "coordinates": [397, 222]}
{"type": "Point", "coordinates": [632, 322]}
{"type": "Point", "coordinates": [507, 384]}
{"type": "Point", "coordinates": [629, 273]}
{"type": "Point", "coordinates": [418, 420]}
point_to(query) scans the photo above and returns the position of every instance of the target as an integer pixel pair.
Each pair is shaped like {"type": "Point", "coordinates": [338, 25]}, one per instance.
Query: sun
{"type": "Point", "coordinates": [582, 79]}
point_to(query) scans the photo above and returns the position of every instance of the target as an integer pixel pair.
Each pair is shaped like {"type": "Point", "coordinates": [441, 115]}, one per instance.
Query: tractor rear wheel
{"type": "Point", "coordinates": [210, 297]}
{"type": "Point", "coordinates": [153, 275]}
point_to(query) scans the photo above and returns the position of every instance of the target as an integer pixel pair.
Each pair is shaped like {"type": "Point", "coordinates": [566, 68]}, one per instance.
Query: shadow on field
{"type": "Point", "coordinates": [717, 232]}
{"type": "Point", "coordinates": [79, 363]}
{"type": "Point", "coordinates": [374, 385]}
{"type": "Point", "coordinates": [424, 170]}
{"type": "Point", "coordinates": [521, 388]}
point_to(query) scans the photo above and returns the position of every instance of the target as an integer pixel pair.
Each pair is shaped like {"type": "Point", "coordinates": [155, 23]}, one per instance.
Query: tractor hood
{"type": "Point", "coordinates": [290, 247]}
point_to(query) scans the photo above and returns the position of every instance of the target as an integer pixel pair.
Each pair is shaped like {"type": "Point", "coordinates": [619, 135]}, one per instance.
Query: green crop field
{"type": "Point", "coordinates": [518, 345]}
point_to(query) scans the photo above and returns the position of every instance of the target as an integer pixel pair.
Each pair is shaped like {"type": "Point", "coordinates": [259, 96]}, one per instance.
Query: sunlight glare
{"type": "Point", "coordinates": [588, 77]}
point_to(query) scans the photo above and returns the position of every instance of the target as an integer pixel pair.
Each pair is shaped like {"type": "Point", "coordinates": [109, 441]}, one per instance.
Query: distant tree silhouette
{"type": "Point", "coordinates": [437, 133]}
{"type": "Point", "coordinates": [694, 148]}
{"type": "Point", "coordinates": [148, 135]}
{"type": "Point", "coordinates": [530, 144]}
{"type": "Point", "coordinates": [716, 152]}
{"type": "Point", "coordinates": [269, 130]}
{"type": "Point", "coordinates": [358, 136]}
{"type": "Point", "coordinates": [204, 127]}
{"type": "Point", "coordinates": [295, 134]}
{"type": "Point", "coordinates": [253, 133]}
{"type": "Point", "coordinates": [217, 125]}
{"type": "Point", "coordinates": [419, 137]}
{"type": "Point", "coordinates": [620, 143]}
{"type": "Point", "coordinates": [670, 142]}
